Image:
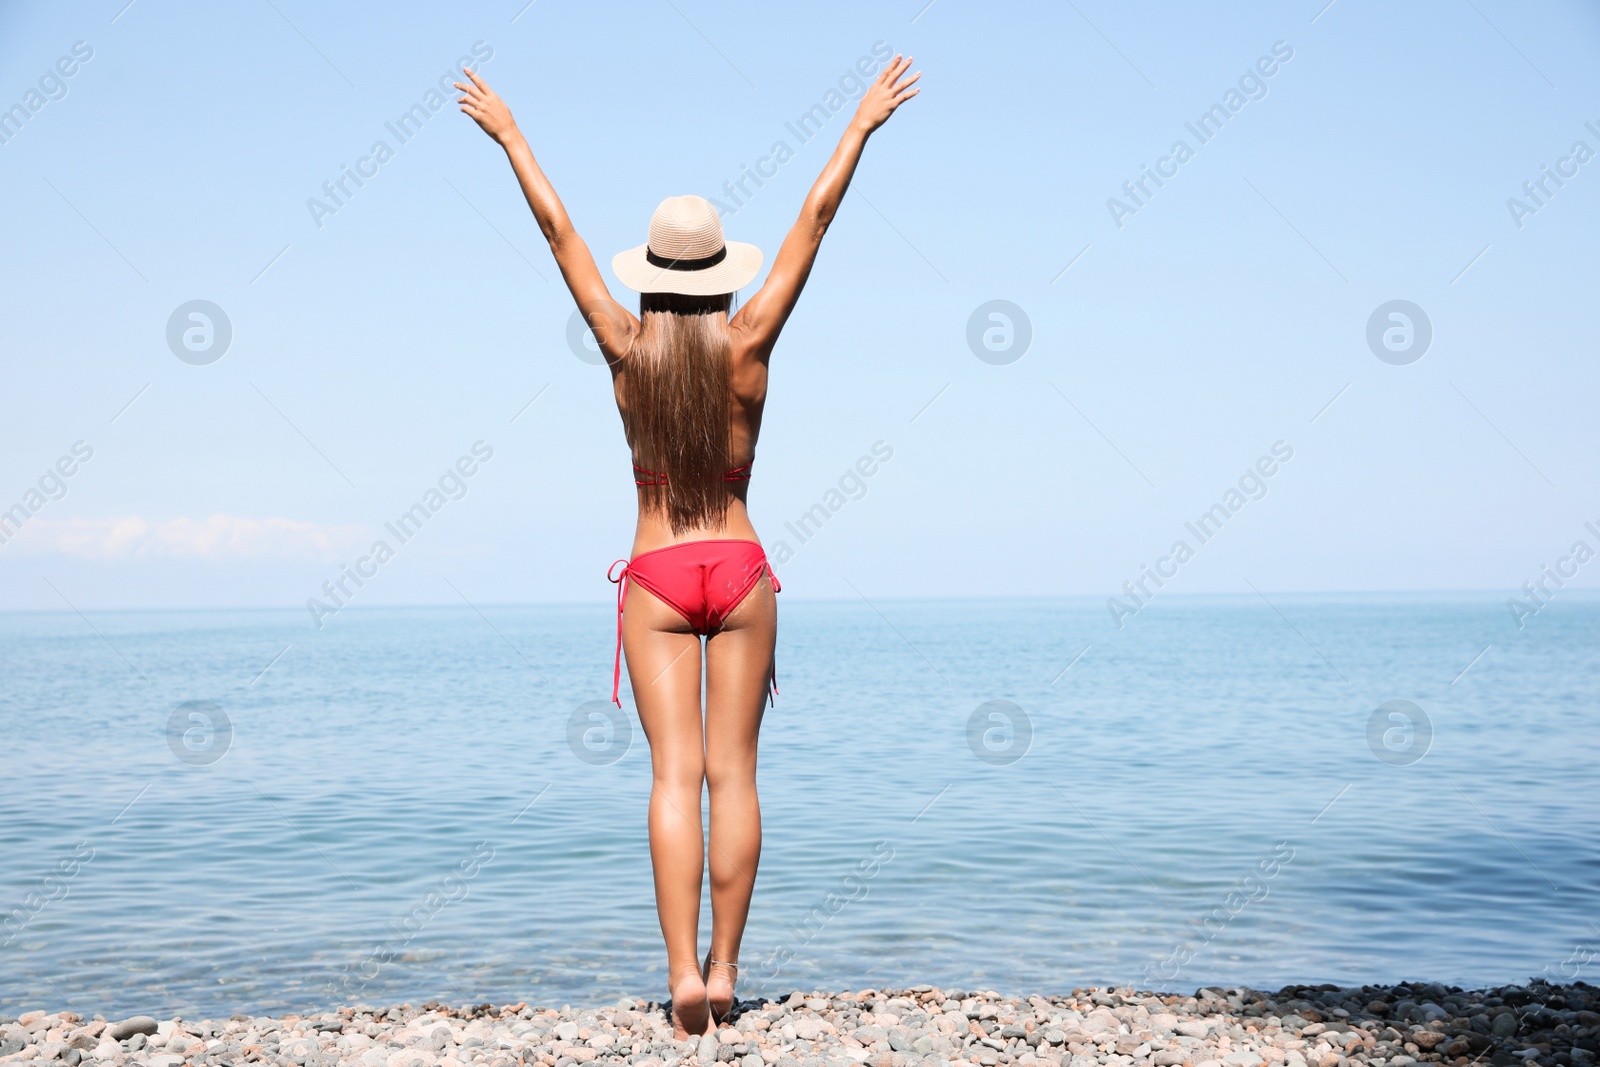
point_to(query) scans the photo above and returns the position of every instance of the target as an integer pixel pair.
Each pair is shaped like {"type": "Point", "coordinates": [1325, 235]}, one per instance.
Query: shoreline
{"type": "Point", "coordinates": [922, 1026]}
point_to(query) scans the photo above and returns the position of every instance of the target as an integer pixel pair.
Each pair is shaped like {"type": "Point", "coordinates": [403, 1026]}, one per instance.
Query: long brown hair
{"type": "Point", "coordinates": [676, 385]}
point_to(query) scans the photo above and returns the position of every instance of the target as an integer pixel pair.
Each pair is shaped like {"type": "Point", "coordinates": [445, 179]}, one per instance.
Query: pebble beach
{"type": "Point", "coordinates": [1298, 1026]}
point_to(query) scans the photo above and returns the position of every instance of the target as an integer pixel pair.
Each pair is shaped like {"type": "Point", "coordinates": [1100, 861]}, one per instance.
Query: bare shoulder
{"type": "Point", "coordinates": [751, 340]}
{"type": "Point", "coordinates": [615, 329]}
{"type": "Point", "coordinates": [748, 357]}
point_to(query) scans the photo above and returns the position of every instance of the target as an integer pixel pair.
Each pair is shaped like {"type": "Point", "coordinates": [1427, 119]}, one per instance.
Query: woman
{"type": "Point", "coordinates": [690, 385]}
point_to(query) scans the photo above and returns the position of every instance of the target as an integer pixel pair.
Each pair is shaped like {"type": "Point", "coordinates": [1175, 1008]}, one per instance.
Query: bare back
{"type": "Point", "coordinates": [748, 379]}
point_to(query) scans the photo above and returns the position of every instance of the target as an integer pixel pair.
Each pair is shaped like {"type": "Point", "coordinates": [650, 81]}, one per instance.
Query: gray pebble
{"type": "Point", "coordinates": [139, 1024]}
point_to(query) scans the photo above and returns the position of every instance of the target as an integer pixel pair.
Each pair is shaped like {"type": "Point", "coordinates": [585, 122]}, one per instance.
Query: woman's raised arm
{"type": "Point", "coordinates": [613, 324]}
{"type": "Point", "coordinates": [763, 316]}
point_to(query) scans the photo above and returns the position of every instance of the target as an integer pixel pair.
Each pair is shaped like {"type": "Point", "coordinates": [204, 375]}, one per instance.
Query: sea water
{"type": "Point", "coordinates": [210, 812]}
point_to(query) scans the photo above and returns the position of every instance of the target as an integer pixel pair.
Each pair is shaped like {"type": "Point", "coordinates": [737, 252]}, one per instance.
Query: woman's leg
{"type": "Point", "coordinates": [664, 670]}
{"type": "Point", "coordinates": [738, 667]}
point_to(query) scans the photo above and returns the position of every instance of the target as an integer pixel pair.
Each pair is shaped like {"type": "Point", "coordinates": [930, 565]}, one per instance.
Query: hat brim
{"type": "Point", "coordinates": [737, 269]}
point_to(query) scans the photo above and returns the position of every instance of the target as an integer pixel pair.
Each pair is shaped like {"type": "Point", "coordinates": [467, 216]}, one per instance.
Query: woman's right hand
{"type": "Point", "coordinates": [886, 93]}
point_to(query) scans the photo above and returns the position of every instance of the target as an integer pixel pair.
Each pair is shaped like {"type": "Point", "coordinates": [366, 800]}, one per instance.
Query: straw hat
{"type": "Point", "coordinates": [686, 253]}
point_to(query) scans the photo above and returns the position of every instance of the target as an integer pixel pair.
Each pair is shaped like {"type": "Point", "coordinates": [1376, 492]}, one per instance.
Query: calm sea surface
{"type": "Point", "coordinates": [402, 808]}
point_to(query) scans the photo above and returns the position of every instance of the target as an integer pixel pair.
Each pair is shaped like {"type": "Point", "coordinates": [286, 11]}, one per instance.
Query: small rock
{"type": "Point", "coordinates": [1505, 1024]}
{"type": "Point", "coordinates": [139, 1024]}
{"type": "Point", "coordinates": [706, 1050]}
{"type": "Point", "coordinates": [410, 1057]}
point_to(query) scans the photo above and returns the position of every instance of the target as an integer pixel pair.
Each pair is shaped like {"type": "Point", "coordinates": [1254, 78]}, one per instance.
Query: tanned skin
{"type": "Point", "coordinates": [718, 752]}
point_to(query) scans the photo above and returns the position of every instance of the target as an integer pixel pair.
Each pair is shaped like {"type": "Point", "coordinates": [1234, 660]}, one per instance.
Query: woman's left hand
{"type": "Point", "coordinates": [486, 108]}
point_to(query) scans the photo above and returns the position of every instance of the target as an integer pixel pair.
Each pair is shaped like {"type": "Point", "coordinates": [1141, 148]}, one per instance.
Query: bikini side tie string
{"type": "Point", "coordinates": [772, 679]}
{"type": "Point", "coordinates": [621, 582]}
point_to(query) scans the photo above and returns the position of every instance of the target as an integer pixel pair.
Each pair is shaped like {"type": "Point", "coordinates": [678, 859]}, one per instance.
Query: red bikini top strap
{"type": "Point", "coordinates": [643, 476]}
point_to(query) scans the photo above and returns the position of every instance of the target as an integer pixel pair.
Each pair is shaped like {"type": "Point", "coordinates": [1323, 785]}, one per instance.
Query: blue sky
{"type": "Point", "coordinates": [1176, 339]}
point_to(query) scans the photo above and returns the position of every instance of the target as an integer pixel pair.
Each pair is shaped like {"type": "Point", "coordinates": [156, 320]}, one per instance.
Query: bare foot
{"type": "Point", "coordinates": [691, 1014]}
{"type": "Point", "coordinates": [719, 988]}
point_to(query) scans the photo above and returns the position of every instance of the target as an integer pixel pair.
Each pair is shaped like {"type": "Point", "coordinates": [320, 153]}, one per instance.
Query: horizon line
{"type": "Point", "coordinates": [1090, 598]}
